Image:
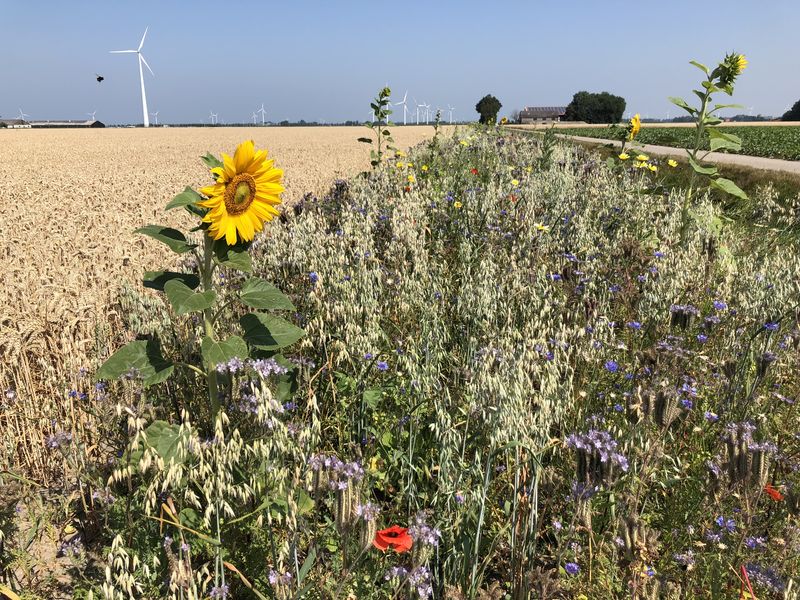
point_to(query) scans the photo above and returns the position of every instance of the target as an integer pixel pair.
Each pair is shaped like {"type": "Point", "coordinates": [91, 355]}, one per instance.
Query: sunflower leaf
{"type": "Point", "coordinates": [185, 198]}
{"type": "Point", "coordinates": [211, 161]}
{"type": "Point", "coordinates": [169, 236]}
{"type": "Point", "coordinates": [142, 356]}
{"type": "Point", "coordinates": [258, 293]}
{"type": "Point", "coordinates": [156, 279]}
{"type": "Point", "coordinates": [184, 300]}
{"type": "Point", "coordinates": [235, 257]}
{"type": "Point", "coordinates": [268, 332]}
{"type": "Point", "coordinates": [215, 352]}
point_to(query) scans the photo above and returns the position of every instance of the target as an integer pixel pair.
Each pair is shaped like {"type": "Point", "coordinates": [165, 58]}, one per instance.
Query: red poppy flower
{"type": "Point", "coordinates": [512, 197]}
{"type": "Point", "coordinates": [474, 171]}
{"type": "Point", "coordinates": [773, 493]}
{"type": "Point", "coordinates": [394, 537]}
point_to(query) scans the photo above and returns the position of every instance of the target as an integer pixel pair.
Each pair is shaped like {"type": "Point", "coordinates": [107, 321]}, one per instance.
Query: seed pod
{"type": "Point", "coordinates": [367, 534]}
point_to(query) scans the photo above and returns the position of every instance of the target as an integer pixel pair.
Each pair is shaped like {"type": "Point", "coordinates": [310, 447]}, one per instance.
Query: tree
{"type": "Point", "coordinates": [488, 107]}
{"type": "Point", "coordinates": [514, 116]}
{"type": "Point", "coordinates": [792, 114]}
{"type": "Point", "coordinates": [595, 108]}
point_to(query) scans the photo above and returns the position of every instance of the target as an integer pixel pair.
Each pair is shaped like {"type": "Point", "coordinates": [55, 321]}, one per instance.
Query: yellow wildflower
{"type": "Point", "coordinates": [642, 158]}
{"type": "Point", "coordinates": [541, 227]}
{"type": "Point", "coordinates": [640, 164]}
{"type": "Point", "coordinates": [410, 165]}
{"type": "Point", "coordinates": [528, 169]}
{"type": "Point", "coordinates": [401, 165]}
{"type": "Point", "coordinates": [653, 168]}
{"type": "Point", "coordinates": [672, 163]}
{"type": "Point", "coordinates": [411, 179]}
{"type": "Point", "coordinates": [424, 167]}
{"type": "Point", "coordinates": [624, 156]}
{"type": "Point", "coordinates": [515, 182]}
{"type": "Point", "coordinates": [741, 63]}
{"type": "Point", "coordinates": [464, 143]}
{"type": "Point", "coordinates": [457, 204]}
{"type": "Point", "coordinates": [401, 153]}
{"type": "Point", "coordinates": [503, 121]}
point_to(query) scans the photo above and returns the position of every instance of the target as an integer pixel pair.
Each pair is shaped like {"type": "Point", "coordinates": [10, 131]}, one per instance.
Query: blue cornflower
{"type": "Point", "coordinates": [618, 407]}
{"type": "Point", "coordinates": [635, 325]}
{"type": "Point", "coordinates": [313, 277]}
{"type": "Point", "coordinates": [711, 417]}
{"type": "Point", "coordinates": [368, 356]}
{"type": "Point", "coordinates": [772, 326]}
{"type": "Point", "coordinates": [720, 305]}
{"type": "Point", "coordinates": [612, 366]}
{"type": "Point", "coordinates": [383, 366]}
{"type": "Point", "coordinates": [572, 568]}
{"type": "Point", "coordinates": [702, 338]}
{"type": "Point", "coordinates": [659, 254]}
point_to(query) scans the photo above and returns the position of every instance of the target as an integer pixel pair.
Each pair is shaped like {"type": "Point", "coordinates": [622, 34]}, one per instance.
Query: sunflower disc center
{"type": "Point", "coordinates": [239, 193]}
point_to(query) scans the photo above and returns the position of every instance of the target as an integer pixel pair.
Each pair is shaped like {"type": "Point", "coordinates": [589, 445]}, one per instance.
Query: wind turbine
{"type": "Point", "coordinates": [263, 112]}
{"type": "Point", "coordinates": [213, 117]}
{"type": "Point", "coordinates": [92, 114]}
{"type": "Point", "coordinates": [254, 118]}
{"type": "Point", "coordinates": [403, 103]}
{"type": "Point", "coordinates": [140, 56]}
{"type": "Point", "coordinates": [451, 109]}
{"type": "Point", "coordinates": [22, 115]}
{"type": "Point", "coordinates": [155, 114]}
{"type": "Point", "coordinates": [427, 113]}
{"type": "Point", "coordinates": [417, 105]}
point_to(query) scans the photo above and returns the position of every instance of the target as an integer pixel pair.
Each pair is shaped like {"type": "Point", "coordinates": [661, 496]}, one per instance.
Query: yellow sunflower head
{"type": "Point", "coordinates": [634, 127]}
{"type": "Point", "coordinates": [247, 189]}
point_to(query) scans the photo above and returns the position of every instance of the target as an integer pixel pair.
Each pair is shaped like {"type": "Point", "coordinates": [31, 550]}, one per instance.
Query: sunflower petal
{"type": "Point", "coordinates": [243, 156]}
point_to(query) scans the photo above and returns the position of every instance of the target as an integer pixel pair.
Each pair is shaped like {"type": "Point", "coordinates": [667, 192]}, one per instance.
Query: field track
{"type": "Point", "coordinates": [72, 198]}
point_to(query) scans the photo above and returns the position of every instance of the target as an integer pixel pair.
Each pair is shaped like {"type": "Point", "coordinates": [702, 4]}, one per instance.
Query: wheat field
{"type": "Point", "coordinates": [70, 202]}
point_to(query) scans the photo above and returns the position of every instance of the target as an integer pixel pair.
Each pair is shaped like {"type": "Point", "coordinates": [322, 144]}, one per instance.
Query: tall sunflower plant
{"type": "Point", "coordinates": [243, 197]}
{"type": "Point", "coordinates": [720, 79]}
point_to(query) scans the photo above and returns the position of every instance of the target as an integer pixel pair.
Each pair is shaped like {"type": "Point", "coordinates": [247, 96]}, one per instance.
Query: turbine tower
{"type": "Point", "coordinates": [155, 114]}
{"type": "Point", "coordinates": [92, 114]}
{"type": "Point", "coordinates": [22, 115]}
{"type": "Point", "coordinates": [418, 105]}
{"type": "Point", "coordinates": [140, 56]}
{"type": "Point", "coordinates": [254, 118]}
{"type": "Point", "coordinates": [451, 109]}
{"type": "Point", "coordinates": [403, 103]}
{"type": "Point", "coordinates": [213, 116]}
{"type": "Point", "coordinates": [263, 112]}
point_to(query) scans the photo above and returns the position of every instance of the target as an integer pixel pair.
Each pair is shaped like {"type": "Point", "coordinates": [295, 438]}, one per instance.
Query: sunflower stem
{"type": "Point", "coordinates": [208, 320]}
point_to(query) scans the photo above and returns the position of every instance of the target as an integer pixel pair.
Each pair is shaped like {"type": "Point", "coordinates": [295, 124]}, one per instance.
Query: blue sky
{"type": "Point", "coordinates": [325, 60]}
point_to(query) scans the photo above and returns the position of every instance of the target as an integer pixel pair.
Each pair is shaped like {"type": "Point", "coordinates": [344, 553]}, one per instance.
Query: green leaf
{"type": "Point", "coordinates": [142, 355]}
{"type": "Point", "coordinates": [372, 397]}
{"type": "Point", "coordinates": [185, 198]}
{"type": "Point", "coordinates": [726, 185]}
{"type": "Point", "coordinates": [700, 66]}
{"type": "Point", "coordinates": [156, 279]}
{"type": "Point", "coordinates": [258, 293]}
{"type": "Point", "coordinates": [720, 139]}
{"type": "Point", "coordinates": [161, 437]}
{"type": "Point", "coordinates": [698, 168]}
{"type": "Point", "coordinates": [682, 103]}
{"type": "Point", "coordinates": [307, 564]}
{"type": "Point", "coordinates": [365, 140]}
{"type": "Point", "coordinates": [184, 300]}
{"type": "Point", "coordinates": [215, 352]}
{"type": "Point", "coordinates": [234, 257]}
{"type": "Point", "coordinates": [211, 161]}
{"type": "Point", "coordinates": [169, 236]}
{"type": "Point", "coordinates": [721, 106]}
{"type": "Point", "coordinates": [268, 332]}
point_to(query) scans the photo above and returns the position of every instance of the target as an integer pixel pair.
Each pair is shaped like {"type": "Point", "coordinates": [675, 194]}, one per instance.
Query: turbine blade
{"type": "Point", "coordinates": [144, 36]}
{"type": "Point", "coordinates": [146, 65]}
{"type": "Point", "coordinates": [122, 51]}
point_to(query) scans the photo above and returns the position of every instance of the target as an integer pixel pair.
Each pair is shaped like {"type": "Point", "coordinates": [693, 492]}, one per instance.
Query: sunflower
{"type": "Point", "coordinates": [245, 194]}
{"type": "Point", "coordinates": [634, 127]}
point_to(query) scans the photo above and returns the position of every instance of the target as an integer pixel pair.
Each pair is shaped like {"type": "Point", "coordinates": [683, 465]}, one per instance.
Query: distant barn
{"type": "Point", "coordinates": [542, 114]}
{"type": "Point", "coordinates": [67, 124]}
{"type": "Point", "coordinates": [14, 124]}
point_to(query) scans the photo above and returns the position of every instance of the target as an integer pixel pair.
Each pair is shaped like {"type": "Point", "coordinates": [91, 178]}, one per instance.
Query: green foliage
{"type": "Point", "coordinates": [383, 143]}
{"type": "Point", "coordinates": [793, 114]}
{"type": "Point", "coordinates": [595, 108]}
{"type": "Point", "coordinates": [767, 141]}
{"type": "Point", "coordinates": [140, 359]}
{"type": "Point", "coordinates": [488, 107]}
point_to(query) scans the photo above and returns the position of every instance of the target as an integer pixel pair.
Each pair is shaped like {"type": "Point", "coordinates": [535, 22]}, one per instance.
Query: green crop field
{"type": "Point", "coordinates": [767, 141]}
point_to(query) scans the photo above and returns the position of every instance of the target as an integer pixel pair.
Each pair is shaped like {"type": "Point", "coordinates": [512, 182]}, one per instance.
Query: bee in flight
{"type": "Point", "coordinates": [99, 77]}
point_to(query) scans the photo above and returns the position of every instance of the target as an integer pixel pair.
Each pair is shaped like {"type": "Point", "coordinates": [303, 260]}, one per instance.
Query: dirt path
{"type": "Point", "coordinates": [754, 162]}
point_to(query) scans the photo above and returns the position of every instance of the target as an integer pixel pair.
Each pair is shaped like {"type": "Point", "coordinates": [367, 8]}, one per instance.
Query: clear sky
{"type": "Point", "coordinates": [324, 60]}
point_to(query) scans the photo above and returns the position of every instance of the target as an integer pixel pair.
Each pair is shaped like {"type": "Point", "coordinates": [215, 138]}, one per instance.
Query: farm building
{"type": "Point", "coordinates": [14, 124]}
{"type": "Point", "coordinates": [66, 123]}
{"type": "Point", "coordinates": [541, 114]}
